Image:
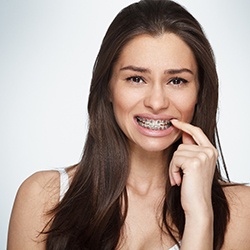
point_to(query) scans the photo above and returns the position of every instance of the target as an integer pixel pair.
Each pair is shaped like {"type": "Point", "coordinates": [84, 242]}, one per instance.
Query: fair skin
{"type": "Point", "coordinates": [155, 78]}
{"type": "Point", "coordinates": [159, 78]}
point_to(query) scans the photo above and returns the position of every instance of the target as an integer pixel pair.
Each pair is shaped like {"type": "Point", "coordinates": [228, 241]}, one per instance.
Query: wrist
{"type": "Point", "coordinates": [200, 221]}
{"type": "Point", "coordinates": [202, 211]}
{"type": "Point", "coordinates": [198, 232]}
{"type": "Point", "coordinates": [203, 215]}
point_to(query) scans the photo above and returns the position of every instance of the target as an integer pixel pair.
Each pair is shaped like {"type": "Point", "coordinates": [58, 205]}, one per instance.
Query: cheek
{"type": "Point", "coordinates": [186, 106]}
{"type": "Point", "coordinates": [124, 102]}
{"type": "Point", "coordinates": [189, 113]}
{"type": "Point", "coordinates": [120, 102]}
{"type": "Point", "coordinates": [120, 109]}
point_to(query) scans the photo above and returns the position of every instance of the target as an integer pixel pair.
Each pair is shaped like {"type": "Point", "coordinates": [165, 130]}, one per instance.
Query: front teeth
{"type": "Point", "coordinates": [153, 124]}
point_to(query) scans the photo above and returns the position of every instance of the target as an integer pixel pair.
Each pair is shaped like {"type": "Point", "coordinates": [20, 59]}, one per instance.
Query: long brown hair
{"type": "Point", "coordinates": [92, 213]}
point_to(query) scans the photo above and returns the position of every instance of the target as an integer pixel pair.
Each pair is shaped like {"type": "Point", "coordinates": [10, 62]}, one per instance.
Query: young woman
{"type": "Point", "coordinates": [150, 176]}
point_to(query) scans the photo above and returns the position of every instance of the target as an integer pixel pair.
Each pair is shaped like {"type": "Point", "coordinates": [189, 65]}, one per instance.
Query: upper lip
{"type": "Point", "coordinates": [155, 117]}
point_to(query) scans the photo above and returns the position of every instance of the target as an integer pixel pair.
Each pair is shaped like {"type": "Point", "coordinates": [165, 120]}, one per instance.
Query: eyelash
{"type": "Point", "coordinates": [138, 79]}
{"type": "Point", "coordinates": [134, 78]}
{"type": "Point", "coordinates": [179, 79]}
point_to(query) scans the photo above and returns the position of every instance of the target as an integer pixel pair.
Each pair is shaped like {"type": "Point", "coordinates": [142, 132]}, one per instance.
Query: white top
{"type": "Point", "coordinates": [64, 186]}
{"type": "Point", "coordinates": [175, 247]}
{"type": "Point", "coordinates": [64, 182]}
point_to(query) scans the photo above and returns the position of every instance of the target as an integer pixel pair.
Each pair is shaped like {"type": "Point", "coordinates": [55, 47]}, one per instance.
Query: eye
{"type": "Point", "coordinates": [135, 79]}
{"type": "Point", "coordinates": [177, 81]}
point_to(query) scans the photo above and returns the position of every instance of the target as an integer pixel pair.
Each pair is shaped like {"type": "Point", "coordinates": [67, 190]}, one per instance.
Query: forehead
{"type": "Point", "coordinates": [164, 51]}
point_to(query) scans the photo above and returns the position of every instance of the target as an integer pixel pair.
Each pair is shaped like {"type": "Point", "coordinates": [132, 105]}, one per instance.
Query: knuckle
{"type": "Point", "coordinates": [175, 154]}
{"type": "Point", "coordinates": [202, 156]}
{"type": "Point", "coordinates": [196, 162]}
{"type": "Point", "coordinates": [216, 153]}
{"type": "Point", "coordinates": [212, 152]}
{"type": "Point", "coordinates": [181, 147]}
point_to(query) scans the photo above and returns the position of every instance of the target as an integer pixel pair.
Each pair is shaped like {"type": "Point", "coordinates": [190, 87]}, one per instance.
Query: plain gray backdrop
{"type": "Point", "coordinates": [47, 50]}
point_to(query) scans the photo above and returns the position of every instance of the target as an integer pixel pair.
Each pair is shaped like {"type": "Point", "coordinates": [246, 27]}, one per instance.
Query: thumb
{"type": "Point", "coordinates": [187, 139]}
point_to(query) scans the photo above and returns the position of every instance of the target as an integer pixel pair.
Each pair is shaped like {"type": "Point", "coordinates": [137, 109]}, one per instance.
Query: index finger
{"type": "Point", "coordinates": [195, 132]}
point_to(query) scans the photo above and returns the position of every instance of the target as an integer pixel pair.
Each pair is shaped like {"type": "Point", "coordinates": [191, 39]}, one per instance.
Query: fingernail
{"type": "Point", "coordinates": [174, 120]}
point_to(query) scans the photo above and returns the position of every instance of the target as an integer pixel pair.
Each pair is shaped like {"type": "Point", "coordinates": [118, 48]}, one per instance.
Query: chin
{"type": "Point", "coordinates": [154, 146]}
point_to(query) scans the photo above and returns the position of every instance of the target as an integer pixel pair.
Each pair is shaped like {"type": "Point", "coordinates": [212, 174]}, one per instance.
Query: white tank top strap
{"type": "Point", "coordinates": [64, 182]}
{"type": "Point", "coordinates": [175, 247]}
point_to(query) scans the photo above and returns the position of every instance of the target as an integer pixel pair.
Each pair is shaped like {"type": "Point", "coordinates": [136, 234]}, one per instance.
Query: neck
{"type": "Point", "coordinates": [148, 170]}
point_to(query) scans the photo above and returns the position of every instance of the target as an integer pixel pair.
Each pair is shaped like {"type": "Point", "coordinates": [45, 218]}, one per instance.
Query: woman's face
{"type": "Point", "coordinates": [154, 80]}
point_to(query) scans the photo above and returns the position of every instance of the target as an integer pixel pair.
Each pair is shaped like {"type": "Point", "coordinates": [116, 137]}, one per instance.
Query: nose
{"type": "Point", "coordinates": [156, 98]}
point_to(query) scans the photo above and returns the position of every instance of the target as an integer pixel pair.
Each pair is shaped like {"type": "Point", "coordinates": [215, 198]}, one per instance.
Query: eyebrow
{"type": "Point", "coordinates": [135, 68]}
{"type": "Point", "coordinates": [168, 71]}
{"type": "Point", "coordinates": [178, 71]}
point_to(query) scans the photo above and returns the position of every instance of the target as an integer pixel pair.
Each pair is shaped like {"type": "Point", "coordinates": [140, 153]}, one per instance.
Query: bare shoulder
{"type": "Point", "coordinates": [239, 199]}
{"type": "Point", "coordinates": [237, 236]}
{"type": "Point", "coordinates": [37, 195]}
{"type": "Point", "coordinates": [42, 186]}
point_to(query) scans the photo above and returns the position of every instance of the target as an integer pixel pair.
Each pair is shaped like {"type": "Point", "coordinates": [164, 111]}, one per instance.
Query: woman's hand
{"type": "Point", "coordinates": [192, 167]}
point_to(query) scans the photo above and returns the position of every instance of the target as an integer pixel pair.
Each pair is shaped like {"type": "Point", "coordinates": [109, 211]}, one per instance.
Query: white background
{"type": "Point", "coordinates": [47, 50]}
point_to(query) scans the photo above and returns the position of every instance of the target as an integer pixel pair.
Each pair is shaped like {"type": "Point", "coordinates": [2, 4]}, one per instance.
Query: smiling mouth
{"type": "Point", "coordinates": [153, 124]}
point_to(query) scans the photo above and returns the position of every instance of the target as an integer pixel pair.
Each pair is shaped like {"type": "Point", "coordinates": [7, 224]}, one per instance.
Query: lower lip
{"type": "Point", "coordinates": [153, 133]}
